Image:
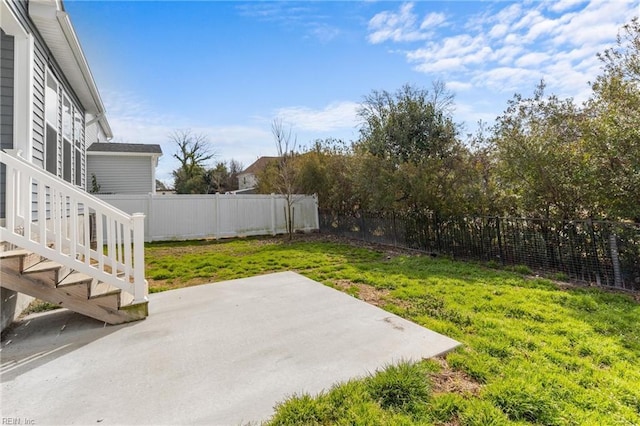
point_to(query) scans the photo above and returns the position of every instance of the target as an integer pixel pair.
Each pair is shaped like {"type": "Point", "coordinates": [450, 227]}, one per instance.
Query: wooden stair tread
{"type": "Point", "coordinates": [14, 253]}
{"type": "Point", "coordinates": [47, 265]}
{"type": "Point", "coordinates": [126, 299]}
{"type": "Point", "coordinates": [101, 289]}
{"type": "Point", "coordinates": [40, 277]}
{"type": "Point", "coordinates": [75, 278]}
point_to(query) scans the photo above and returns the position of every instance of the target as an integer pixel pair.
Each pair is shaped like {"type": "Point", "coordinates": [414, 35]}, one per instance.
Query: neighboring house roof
{"type": "Point", "coordinates": [55, 26]}
{"type": "Point", "coordinates": [124, 148]}
{"type": "Point", "coordinates": [259, 165]}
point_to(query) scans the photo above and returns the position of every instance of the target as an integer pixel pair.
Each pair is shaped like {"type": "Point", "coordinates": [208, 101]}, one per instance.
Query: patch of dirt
{"type": "Point", "coordinates": [366, 293]}
{"type": "Point", "coordinates": [388, 250]}
{"type": "Point", "coordinates": [449, 380]}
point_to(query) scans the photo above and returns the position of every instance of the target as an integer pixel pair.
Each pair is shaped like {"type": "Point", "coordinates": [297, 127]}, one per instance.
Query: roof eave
{"type": "Point", "coordinates": [54, 25]}
{"type": "Point", "coordinates": [125, 153]}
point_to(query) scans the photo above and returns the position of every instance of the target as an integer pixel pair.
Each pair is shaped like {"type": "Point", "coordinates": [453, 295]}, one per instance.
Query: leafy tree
{"type": "Point", "coordinates": [216, 178]}
{"type": "Point", "coordinates": [235, 168]}
{"type": "Point", "coordinates": [613, 128]}
{"type": "Point", "coordinates": [223, 177]}
{"type": "Point", "coordinates": [327, 170]}
{"type": "Point", "coordinates": [160, 186]}
{"type": "Point", "coordinates": [481, 166]}
{"type": "Point", "coordinates": [190, 182]}
{"type": "Point", "coordinates": [409, 152]}
{"type": "Point", "coordinates": [193, 151]}
{"type": "Point", "coordinates": [541, 167]}
{"type": "Point", "coordinates": [411, 125]}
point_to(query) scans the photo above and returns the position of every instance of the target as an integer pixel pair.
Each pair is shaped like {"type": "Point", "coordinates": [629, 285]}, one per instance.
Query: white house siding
{"type": "Point", "coordinates": [42, 60]}
{"type": "Point", "coordinates": [6, 91]}
{"type": "Point", "coordinates": [94, 133]}
{"type": "Point", "coordinates": [12, 303]}
{"type": "Point", "coordinates": [6, 105]}
{"type": "Point", "coordinates": [91, 134]}
{"type": "Point", "coordinates": [39, 72]}
{"type": "Point", "coordinates": [121, 174]}
{"type": "Point", "coordinates": [247, 181]}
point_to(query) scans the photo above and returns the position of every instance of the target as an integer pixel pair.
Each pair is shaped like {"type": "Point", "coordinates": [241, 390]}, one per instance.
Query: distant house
{"type": "Point", "coordinates": [248, 178]}
{"type": "Point", "coordinates": [123, 168]}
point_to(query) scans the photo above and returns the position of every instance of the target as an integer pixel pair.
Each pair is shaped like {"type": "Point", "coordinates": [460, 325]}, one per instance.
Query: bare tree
{"type": "Point", "coordinates": [193, 151]}
{"type": "Point", "coordinates": [286, 145]}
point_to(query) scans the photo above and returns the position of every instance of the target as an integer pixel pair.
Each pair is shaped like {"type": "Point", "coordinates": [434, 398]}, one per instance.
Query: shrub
{"type": "Point", "coordinates": [524, 399]}
{"type": "Point", "coordinates": [38, 306]}
{"type": "Point", "coordinates": [445, 406]}
{"type": "Point", "coordinates": [301, 409]}
{"type": "Point", "coordinates": [522, 269]}
{"type": "Point", "coordinates": [404, 387]}
{"type": "Point", "coordinates": [482, 413]}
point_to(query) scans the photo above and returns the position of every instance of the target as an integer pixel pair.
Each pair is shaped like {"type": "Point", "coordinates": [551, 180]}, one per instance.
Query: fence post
{"type": "Point", "coordinates": [615, 260]}
{"type": "Point", "coordinates": [140, 284]}
{"type": "Point", "coordinates": [594, 248]}
{"type": "Point", "coordinates": [273, 214]}
{"type": "Point", "coordinates": [500, 250]}
{"type": "Point", "coordinates": [149, 215]}
{"type": "Point", "coordinates": [315, 207]}
{"type": "Point", "coordinates": [395, 229]}
{"type": "Point", "coordinates": [216, 231]}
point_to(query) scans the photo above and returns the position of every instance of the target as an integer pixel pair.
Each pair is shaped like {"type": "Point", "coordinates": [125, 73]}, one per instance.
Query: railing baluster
{"type": "Point", "coordinates": [100, 238]}
{"type": "Point", "coordinates": [64, 220]}
{"type": "Point", "coordinates": [56, 221]}
{"type": "Point", "coordinates": [87, 234]}
{"type": "Point", "coordinates": [42, 212]}
{"type": "Point", "coordinates": [119, 253]}
{"type": "Point", "coordinates": [111, 245]}
{"type": "Point", "coordinates": [74, 229]}
{"type": "Point", "coordinates": [127, 252]}
{"type": "Point", "coordinates": [24, 196]}
{"type": "Point", "coordinates": [10, 202]}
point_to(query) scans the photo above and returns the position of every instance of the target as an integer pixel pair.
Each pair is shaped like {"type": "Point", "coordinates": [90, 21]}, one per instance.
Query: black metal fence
{"type": "Point", "coordinates": [599, 252]}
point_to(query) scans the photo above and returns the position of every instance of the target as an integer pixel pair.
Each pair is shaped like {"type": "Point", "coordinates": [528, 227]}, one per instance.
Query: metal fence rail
{"type": "Point", "coordinates": [599, 252]}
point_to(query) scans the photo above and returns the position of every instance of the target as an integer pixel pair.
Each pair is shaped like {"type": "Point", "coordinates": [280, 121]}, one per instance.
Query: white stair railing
{"type": "Point", "coordinates": [50, 217]}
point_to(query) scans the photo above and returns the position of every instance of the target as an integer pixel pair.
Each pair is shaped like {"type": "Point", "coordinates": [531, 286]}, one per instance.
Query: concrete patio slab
{"type": "Point", "coordinates": [222, 353]}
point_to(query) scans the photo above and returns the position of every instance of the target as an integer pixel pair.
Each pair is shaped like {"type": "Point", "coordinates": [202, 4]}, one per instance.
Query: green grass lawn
{"type": "Point", "coordinates": [533, 352]}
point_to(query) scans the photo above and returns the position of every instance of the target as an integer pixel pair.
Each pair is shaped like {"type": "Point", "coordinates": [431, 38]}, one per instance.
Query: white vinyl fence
{"type": "Point", "coordinates": [184, 217]}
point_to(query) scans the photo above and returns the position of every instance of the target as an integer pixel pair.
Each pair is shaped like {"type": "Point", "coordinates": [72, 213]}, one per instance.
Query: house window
{"type": "Point", "coordinates": [78, 127]}
{"type": "Point", "coordinates": [67, 132]}
{"type": "Point", "coordinates": [64, 133]}
{"type": "Point", "coordinates": [51, 124]}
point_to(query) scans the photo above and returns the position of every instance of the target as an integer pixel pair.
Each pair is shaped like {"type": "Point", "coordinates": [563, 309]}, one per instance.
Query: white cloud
{"type": "Point", "coordinates": [511, 47]}
{"type": "Point", "coordinates": [532, 59]}
{"type": "Point", "coordinates": [507, 78]}
{"type": "Point", "coordinates": [509, 14]}
{"type": "Point", "coordinates": [498, 30]}
{"type": "Point", "coordinates": [562, 5]}
{"type": "Point", "coordinates": [432, 20]}
{"type": "Point", "coordinates": [324, 32]}
{"type": "Point", "coordinates": [402, 26]}
{"type": "Point", "coordinates": [453, 54]}
{"type": "Point", "coordinates": [459, 86]}
{"type": "Point", "coordinates": [337, 115]}
{"type": "Point", "coordinates": [472, 113]}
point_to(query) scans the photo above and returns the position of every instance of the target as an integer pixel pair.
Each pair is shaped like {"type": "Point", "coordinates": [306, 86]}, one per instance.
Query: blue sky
{"type": "Point", "coordinates": [227, 69]}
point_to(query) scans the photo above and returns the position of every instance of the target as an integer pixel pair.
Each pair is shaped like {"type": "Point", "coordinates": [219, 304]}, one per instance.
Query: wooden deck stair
{"type": "Point", "coordinates": [28, 273]}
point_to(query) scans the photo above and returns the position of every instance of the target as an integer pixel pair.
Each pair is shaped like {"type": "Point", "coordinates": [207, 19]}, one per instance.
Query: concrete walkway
{"type": "Point", "coordinates": [214, 354]}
